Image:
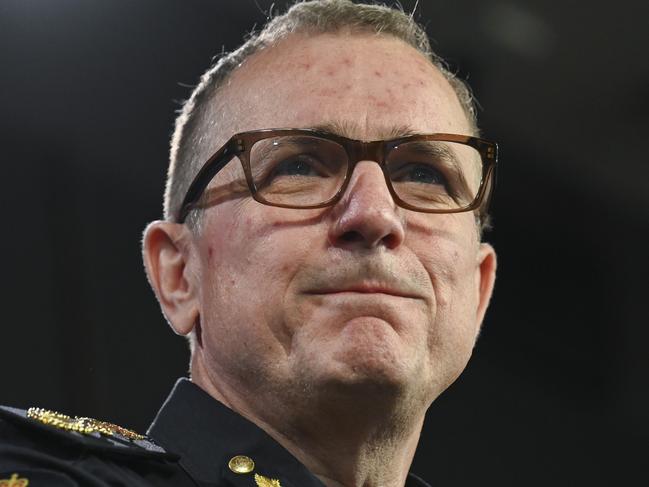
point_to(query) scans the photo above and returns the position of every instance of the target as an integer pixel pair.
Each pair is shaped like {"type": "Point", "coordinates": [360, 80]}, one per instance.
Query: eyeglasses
{"type": "Point", "coordinates": [307, 169]}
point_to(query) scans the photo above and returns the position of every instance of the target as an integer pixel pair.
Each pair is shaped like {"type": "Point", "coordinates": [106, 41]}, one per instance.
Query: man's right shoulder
{"type": "Point", "coordinates": [39, 447]}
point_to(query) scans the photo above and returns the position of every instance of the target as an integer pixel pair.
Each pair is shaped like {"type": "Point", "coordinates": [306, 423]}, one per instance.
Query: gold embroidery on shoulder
{"type": "Point", "coordinates": [86, 426]}
{"type": "Point", "coordinates": [14, 481]}
{"type": "Point", "coordinates": [262, 481]}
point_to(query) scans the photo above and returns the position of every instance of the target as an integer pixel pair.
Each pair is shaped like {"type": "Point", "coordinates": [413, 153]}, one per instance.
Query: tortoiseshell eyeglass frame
{"type": "Point", "coordinates": [239, 145]}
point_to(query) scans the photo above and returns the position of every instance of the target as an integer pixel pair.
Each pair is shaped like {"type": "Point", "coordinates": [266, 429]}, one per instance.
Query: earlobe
{"type": "Point", "coordinates": [166, 249]}
{"type": "Point", "coordinates": [485, 279]}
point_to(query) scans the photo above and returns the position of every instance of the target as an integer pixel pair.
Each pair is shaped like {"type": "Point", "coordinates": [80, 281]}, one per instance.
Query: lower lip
{"type": "Point", "coordinates": [360, 293]}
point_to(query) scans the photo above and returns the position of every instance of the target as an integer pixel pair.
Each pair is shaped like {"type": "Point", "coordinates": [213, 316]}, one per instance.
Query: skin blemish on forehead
{"type": "Point", "coordinates": [378, 73]}
{"type": "Point", "coordinates": [347, 62]}
{"type": "Point", "coordinates": [326, 92]}
{"type": "Point", "coordinates": [305, 65]}
{"type": "Point", "coordinates": [377, 102]}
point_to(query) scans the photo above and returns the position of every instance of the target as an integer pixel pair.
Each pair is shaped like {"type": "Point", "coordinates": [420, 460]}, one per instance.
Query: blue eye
{"type": "Point", "coordinates": [419, 173]}
{"type": "Point", "coordinates": [294, 167]}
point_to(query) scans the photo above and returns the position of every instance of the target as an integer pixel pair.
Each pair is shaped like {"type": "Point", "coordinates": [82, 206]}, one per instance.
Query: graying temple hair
{"type": "Point", "coordinates": [190, 143]}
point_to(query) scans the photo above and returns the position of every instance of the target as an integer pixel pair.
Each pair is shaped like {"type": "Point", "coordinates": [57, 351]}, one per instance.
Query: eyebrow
{"type": "Point", "coordinates": [435, 148]}
{"type": "Point", "coordinates": [440, 151]}
{"type": "Point", "coordinates": [288, 141]}
{"type": "Point", "coordinates": [350, 129]}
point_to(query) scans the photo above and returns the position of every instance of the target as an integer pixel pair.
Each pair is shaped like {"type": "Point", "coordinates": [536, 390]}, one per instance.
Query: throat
{"type": "Point", "coordinates": [347, 445]}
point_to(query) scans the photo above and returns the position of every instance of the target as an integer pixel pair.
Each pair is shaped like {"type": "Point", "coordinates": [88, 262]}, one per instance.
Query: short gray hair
{"type": "Point", "coordinates": [189, 141]}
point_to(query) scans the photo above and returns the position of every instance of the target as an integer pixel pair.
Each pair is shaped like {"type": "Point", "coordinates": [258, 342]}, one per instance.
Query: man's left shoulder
{"type": "Point", "coordinates": [45, 447]}
{"type": "Point", "coordinates": [90, 433]}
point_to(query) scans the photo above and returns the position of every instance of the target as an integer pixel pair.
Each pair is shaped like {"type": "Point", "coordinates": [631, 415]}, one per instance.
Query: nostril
{"type": "Point", "coordinates": [354, 237]}
{"type": "Point", "coordinates": [391, 241]}
{"type": "Point", "coordinates": [351, 237]}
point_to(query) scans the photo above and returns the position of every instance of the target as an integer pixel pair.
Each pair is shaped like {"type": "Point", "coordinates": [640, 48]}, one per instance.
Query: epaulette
{"type": "Point", "coordinates": [88, 432]}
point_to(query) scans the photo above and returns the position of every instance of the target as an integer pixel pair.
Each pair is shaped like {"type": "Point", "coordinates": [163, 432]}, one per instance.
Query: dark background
{"type": "Point", "coordinates": [557, 391]}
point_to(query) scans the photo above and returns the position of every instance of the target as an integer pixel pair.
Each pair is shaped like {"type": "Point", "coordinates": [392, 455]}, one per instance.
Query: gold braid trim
{"type": "Point", "coordinates": [85, 426]}
{"type": "Point", "coordinates": [262, 481]}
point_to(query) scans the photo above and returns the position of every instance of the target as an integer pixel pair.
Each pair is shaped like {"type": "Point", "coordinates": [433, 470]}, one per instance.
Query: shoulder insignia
{"type": "Point", "coordinates": [91, 432]}
{"type": "Point", "coordinates": [262, 481]}
{"type": "Point", "coordinates": [14, 481]}
{"type": "Point", "coordinates": [85, 426]}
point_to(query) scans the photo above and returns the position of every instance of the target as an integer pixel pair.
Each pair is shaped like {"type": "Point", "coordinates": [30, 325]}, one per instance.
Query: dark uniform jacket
{"type": "Point", "coordinates": [193, 441]}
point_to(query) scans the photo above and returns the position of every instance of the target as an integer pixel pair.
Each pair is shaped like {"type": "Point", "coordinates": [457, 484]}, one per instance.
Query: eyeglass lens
{"type": "Point", "coordinates": [304, 170]}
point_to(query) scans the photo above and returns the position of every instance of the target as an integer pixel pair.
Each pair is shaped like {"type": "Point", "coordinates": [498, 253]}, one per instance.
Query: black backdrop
{"type": "Point", "coordinates": [557, 391]}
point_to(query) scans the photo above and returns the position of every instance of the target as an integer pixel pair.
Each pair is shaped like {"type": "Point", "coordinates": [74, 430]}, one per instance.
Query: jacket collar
{"type": "Point", "coordinates": [207, 435]}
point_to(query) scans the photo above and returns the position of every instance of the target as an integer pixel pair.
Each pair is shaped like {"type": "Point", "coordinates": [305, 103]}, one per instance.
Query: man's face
{"type": "Point", "coordinates": [360, 297]}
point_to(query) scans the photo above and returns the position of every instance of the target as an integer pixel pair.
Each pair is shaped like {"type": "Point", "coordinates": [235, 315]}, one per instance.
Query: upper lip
{"type": "Point", "coordinates": [367, 276]}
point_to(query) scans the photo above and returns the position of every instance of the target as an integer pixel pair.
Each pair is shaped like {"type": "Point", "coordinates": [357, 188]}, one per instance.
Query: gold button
{"type": "Point", "coordinates": [241, 464]}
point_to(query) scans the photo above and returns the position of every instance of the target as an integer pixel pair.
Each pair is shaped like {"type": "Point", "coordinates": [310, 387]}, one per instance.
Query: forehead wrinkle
{"type": "Point", "coordinates": [353, 130]}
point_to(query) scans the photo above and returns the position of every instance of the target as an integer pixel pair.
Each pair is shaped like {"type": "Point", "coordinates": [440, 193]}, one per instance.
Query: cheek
{"type": "Point", "coordinates": [450, 265]}
{"type": "Point", "coordinates": [447, 247]}
{"type": "Point", "coordinates": [248, 248]}
{"type": "Point", "coordinates": [244, 276]}
{"type": "Point", "coordinates": [449, 257]}
{"type": "Point", "coordinates": [226, 260]}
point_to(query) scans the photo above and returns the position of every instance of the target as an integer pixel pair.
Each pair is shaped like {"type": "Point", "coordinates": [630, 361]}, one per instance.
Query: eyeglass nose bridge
{"type": "Point", "coordinates": [366, 151]}
{"type": "Point", "coordinates": [373, 151]}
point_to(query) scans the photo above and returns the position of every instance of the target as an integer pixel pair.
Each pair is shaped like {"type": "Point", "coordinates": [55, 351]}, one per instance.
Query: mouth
{"type": "Point", "coordinates": [364, 289]}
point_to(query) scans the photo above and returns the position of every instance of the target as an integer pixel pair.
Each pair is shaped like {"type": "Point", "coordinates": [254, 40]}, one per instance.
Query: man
{"type": "Point", "coordinates": [329, 273]}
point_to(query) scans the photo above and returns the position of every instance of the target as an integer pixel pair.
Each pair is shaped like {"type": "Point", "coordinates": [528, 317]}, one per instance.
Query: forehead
{"type": "Point", "coordinates": [368, 86]}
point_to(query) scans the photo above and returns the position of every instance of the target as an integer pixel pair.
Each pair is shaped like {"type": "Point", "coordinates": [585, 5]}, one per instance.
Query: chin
{"type": "Point", "coordinates": [370, 366]}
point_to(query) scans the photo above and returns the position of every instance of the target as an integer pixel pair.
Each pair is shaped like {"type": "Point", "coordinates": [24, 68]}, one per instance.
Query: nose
{"type": "Point", "coordinates": [367, 216]}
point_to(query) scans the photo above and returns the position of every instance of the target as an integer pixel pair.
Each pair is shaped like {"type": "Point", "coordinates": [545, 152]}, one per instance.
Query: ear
{"type": "Point", "coordinates": [166, 250]}
{"type": "Point", "coordinates": [484, 279]}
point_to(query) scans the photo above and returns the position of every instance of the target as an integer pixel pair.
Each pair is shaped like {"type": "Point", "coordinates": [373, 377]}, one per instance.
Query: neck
{"type": "Point", "coordinates": [347, 445]}
{"type": "Point", "coordinates": [357, 438]}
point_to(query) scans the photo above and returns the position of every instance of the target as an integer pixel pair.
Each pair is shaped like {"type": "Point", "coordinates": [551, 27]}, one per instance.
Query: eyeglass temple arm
{"type": "Point", "coordinates": [489, 151]}
{"type": "Point", "coordinates": [203, 178]}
